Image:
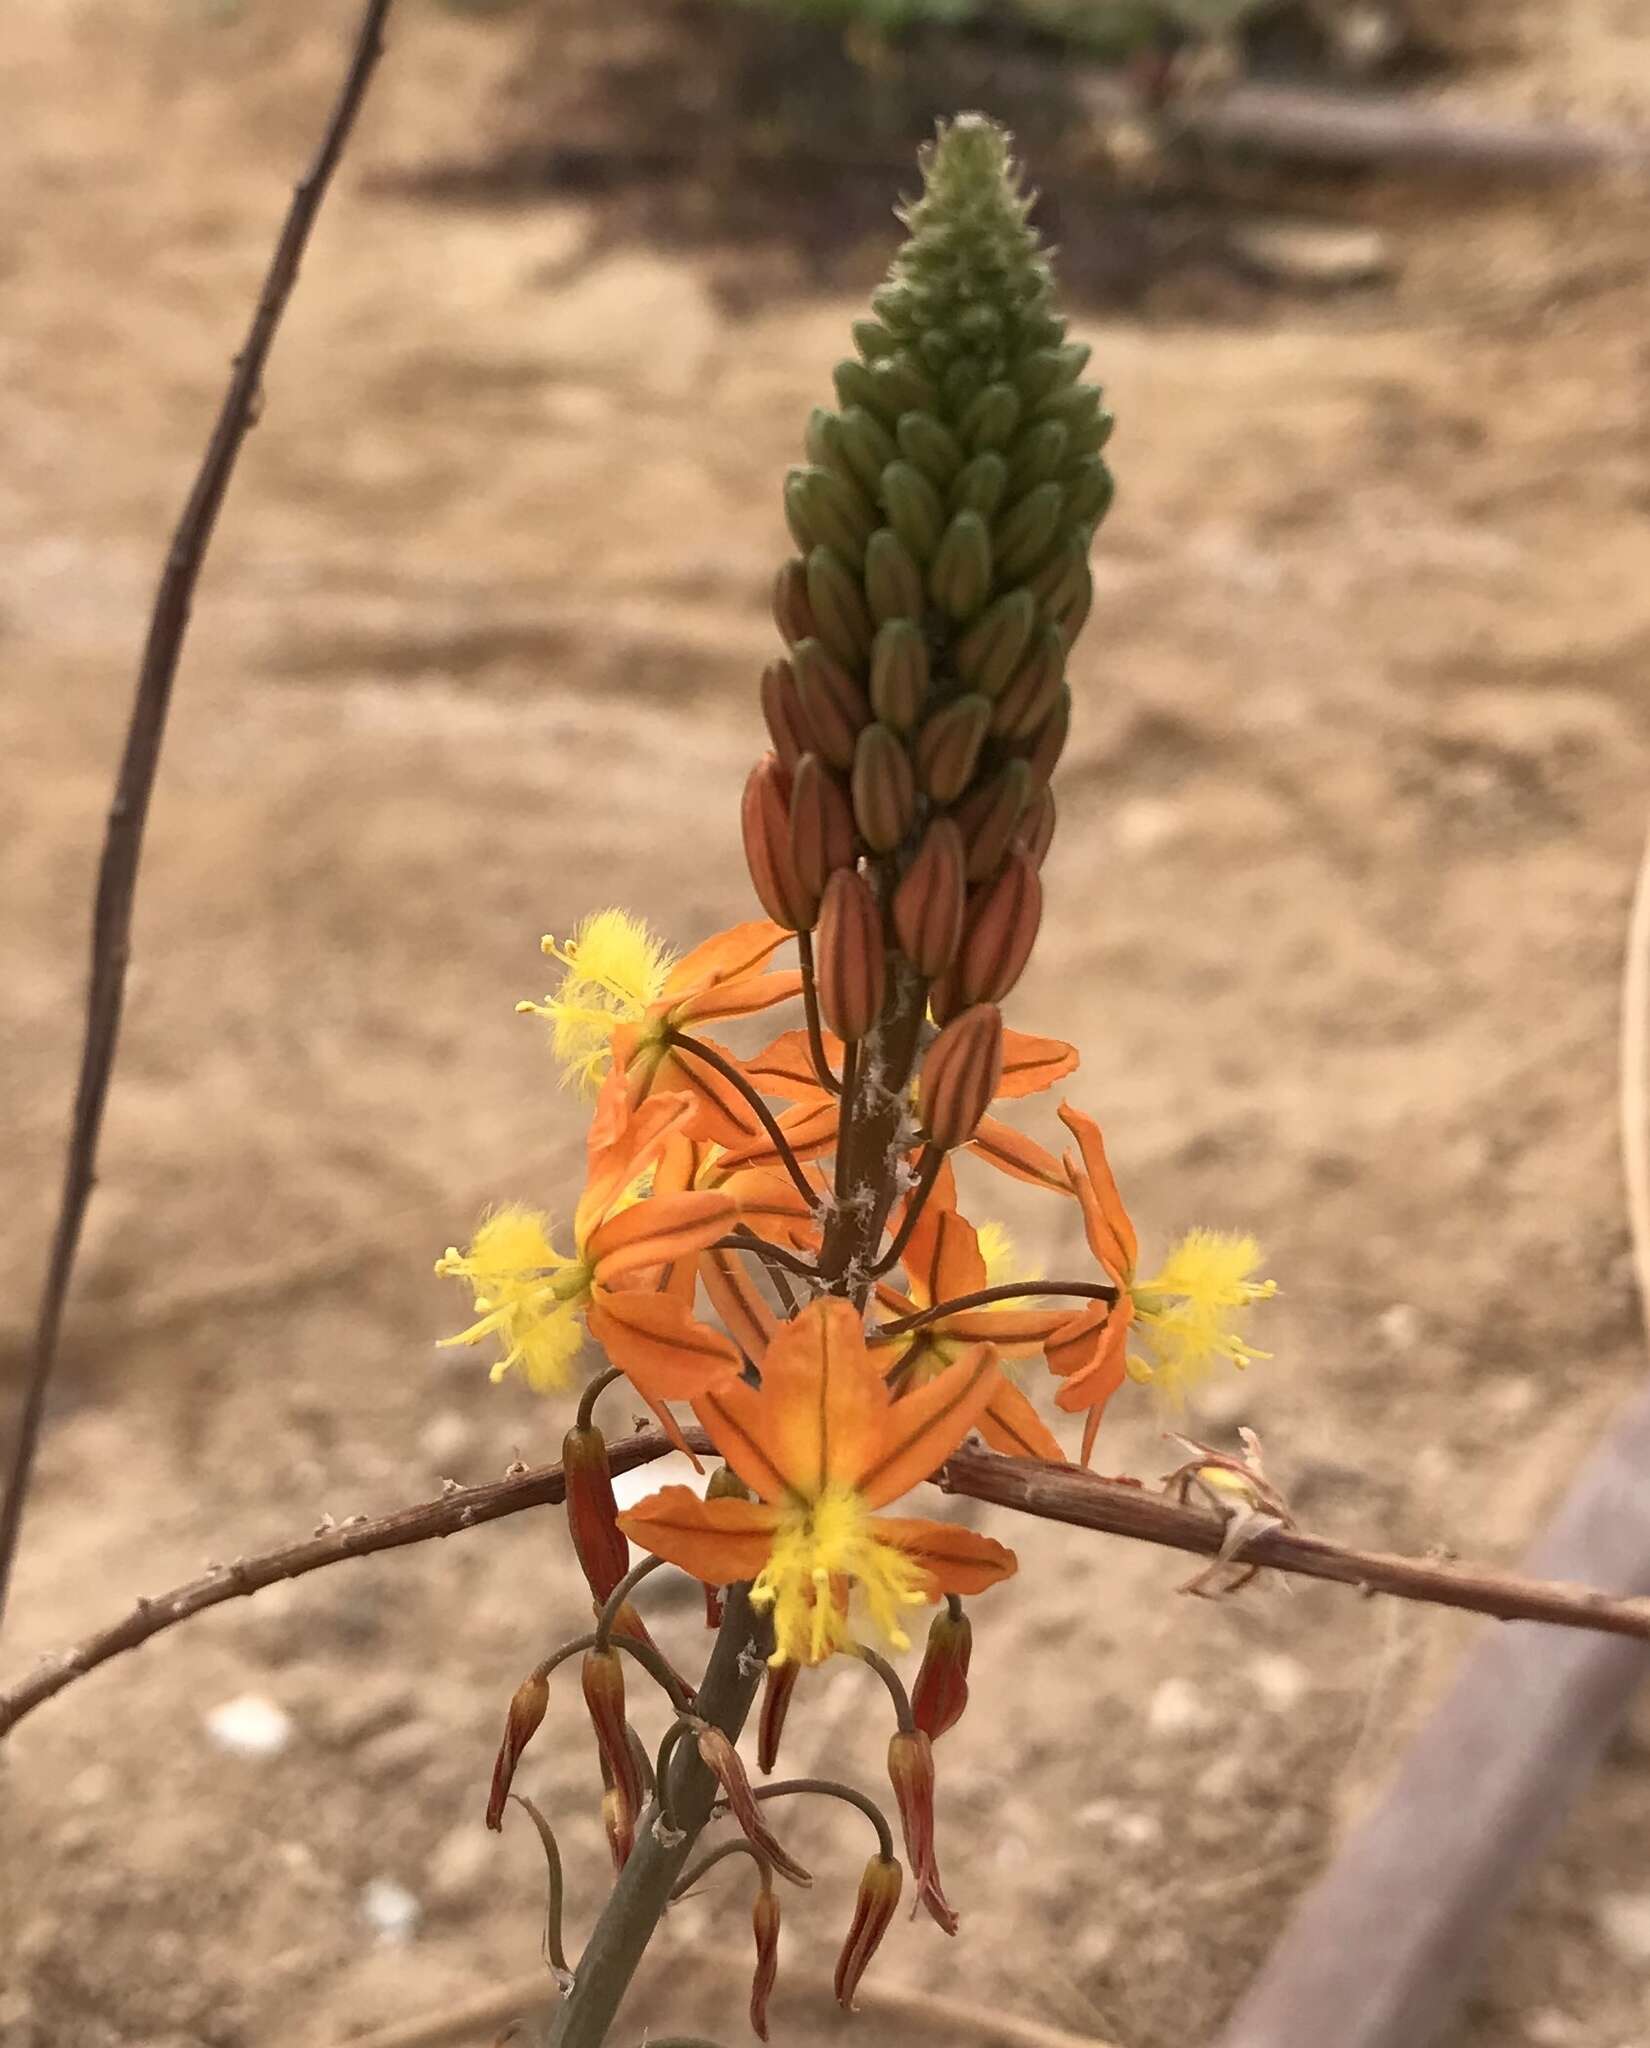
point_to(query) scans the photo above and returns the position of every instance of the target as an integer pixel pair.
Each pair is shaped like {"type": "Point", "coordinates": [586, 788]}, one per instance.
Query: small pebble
{"type": "Point", "coordinates": [1623, 1918]}
{"type": "Point", "coordinates": [1282, 1682]}
{"type": "Point", "coordinates": [250, 1725]}
{"type": "Point", "coordinates": [1400, 1325]}
{"type": "Point", "coordinates": [1177, 1709]}
{"type": "Point", "coordinates": [391, 1911]}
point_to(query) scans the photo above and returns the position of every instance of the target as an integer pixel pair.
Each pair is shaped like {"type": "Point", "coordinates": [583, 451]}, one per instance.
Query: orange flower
{"type": "Point", "coordinates": [823, 1444]}
{"type": "Point", "coordinates": [1091, 1353]}
{"type": "Point", "coordinates": [943, 1260]}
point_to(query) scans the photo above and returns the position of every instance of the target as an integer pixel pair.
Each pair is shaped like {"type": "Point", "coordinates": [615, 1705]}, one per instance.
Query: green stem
{"type": "Point", "coordinates": [637, 1902]}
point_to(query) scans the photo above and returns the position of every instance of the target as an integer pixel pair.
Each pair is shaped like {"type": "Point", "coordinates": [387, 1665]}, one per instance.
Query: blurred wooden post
{"type": "Point", "coordinates": [1388, 1939]}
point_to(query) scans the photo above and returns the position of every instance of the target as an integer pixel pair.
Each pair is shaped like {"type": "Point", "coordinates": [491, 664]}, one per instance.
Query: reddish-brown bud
{"type": "Point", "coordinates": [727, 1766]}
{"type": "Point", "coordinates": [527, 1705]}
{"type": "Point", "coordinates": [834, 707]}
{"type": "Point", "coordinates": [1031, 695]}
{"type": "Point", "coordinates": [987, 817]}
{"type": "Point", "coordinates": [1049, 742]}
{"type": "Point", "coordinates": [850, 968]}
{"type": "Point", "coordinates": [899, 673]}
{"type": "Point", "coordinates": [948, 746]}
{"type": "Point", "coordinates": [603, 1677]}
{"type": "Point", "coordinates": [999, 933]}
{"type": "Point", "coordinates": [765, 1926]}
{"type": "Point", "coordinates": [928, 903]}
{"type": "Point", "coordinates": [943, 1000]}
{"type": "Point", "coordinates": [627, 1622]}
{"type": "Point", "coordinates": [911, 1773]}
{"type": "Point", "coordinates": [961, 1072]}
{"type": "Point", "coordinates": [885, 791]}
{"type": "Point", "coordinates": [592, 1512]}
{"type": "Point", "coordinates": [792, 613]}
{"type": "Point", "coordinates": [1036, 833]}
{"type": "Point", "coordinates": [941, 1690]}
{"type": "Point", "coordinates": [765, 818]}
{"type": "Point", "coordinates": [822, 826]}
{"type": "Point", "coordinates": [619, 1820]}
{"type": "Point", "coordinates": [874, 1909]}
{"type": "Point", "coordinates": [776, 1704]}
{"type": "Point", "coordinates": [782, 713]}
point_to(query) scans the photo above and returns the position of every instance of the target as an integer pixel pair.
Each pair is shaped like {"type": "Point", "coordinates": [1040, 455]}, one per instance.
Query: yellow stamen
{"type": "Point", "coordinates": [526, 1293]}
{"type": "Point", "coordinates": [1189, 1311]}
{"type": "Point", "coordinates": [616, 969]}
{"type": "Point", "coordinates": [821, 1549]}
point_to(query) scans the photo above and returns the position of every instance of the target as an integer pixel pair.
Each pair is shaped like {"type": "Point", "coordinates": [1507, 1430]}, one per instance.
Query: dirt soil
{"type": "Point", "coordinates": [1350, 820]}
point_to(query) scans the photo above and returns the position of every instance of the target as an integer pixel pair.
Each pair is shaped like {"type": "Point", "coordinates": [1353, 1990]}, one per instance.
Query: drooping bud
{"type": "Point", "coordinates": [941, 1691]}
{"type": "Point", "coordinates": [837, 599]}
{"type": "Point", "coordinates": [727, 1767]}
{"type": "Point", "coordinates": [792, 613]}
{"type": "Point", "coordinates": [948, 746]}
{"type": "Point", "coordinates": [777, 1689]}
{"type": "Point", "coordinates": [999, 933]}
{"type": "Point", "coordinates": [959, 577]}
{"type": "Point", "coordinates": [822, 825]}
{"type": "Point", "coordinates": [782, 713]}
{"type": "Point", "coordinates": [527, 1705]}
{"type": "Point", "coordinates": [765, 818]}
{"type": "Point", "coordinates": [911, 1772]}
{"type": "Point", "coordinates": [893, 579]}
{"type": "Point", "coordinates": [603, 1680]}
{"type": "Point", "coordinates": [961, 1072]}
{"type": "Point", "coordinates": [619, 1821]}
{"type": "Point", "coordinates": [874, 1908]}
{"type": "Point", "coordinates": [765, 1926]}
{"type": "Point", "coordinates": [592, 1512]}
{"type": "Point", "coordinates": [834, 707]}
{"type": "Point", "coordinates": [849, 963]}
{"type": "Point", "coordinates": [899, 673]}
{"type": "Point", "coordinates": [928, 903]}
{"type": "Point", "coordinates": [885, 790]}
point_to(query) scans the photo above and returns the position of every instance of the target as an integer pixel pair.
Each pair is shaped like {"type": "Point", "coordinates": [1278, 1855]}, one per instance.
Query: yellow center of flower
{"type": "Point", "coordinates": [1189, 1311]}
{"type": "Point", "coordinates": [526, 1293]}
{"type": "Point", "coordinates": [616, 969]}
{"type": "Point", "coordinates": [822, 1549]}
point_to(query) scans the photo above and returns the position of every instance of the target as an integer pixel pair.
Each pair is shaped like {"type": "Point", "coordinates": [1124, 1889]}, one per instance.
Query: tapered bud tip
{"type": "Point", "coordinates": [726, 1765]}
{"type": "Point", "coordinates": [603, 1678]}
{"type": "Point", "coordinates": [849, 957]}
{"type": "Point", "coordinates": [765, 1927]}
{"type": "Point", "coordinates": [521, 1724]}
{"type": "Point", "coordinates": [874, 1909]}
{"type": "Point", "coordinates": [961, 1072]}
{"type": "Point", "coordinates": [776, 1704]}
{"type": "Point", "coordinates": [911, 1773]}
{"type": "Point", "coordinates": [592, 1512]}
{"type": "Point", "coordinates": [619, 1821]}
{"type": "Point", "coordinates": [941, 1691]}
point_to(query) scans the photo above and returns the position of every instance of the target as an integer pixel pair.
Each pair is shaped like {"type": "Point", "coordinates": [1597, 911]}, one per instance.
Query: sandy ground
{"type": "Point", "coordinates": [1350, 818]}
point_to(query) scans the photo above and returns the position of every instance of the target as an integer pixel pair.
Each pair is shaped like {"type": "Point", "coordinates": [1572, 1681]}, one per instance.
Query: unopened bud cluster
{"type": "Point", "coordinates": [942, 521]}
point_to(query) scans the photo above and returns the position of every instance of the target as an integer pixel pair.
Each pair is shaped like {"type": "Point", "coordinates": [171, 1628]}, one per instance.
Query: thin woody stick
{"type": "Point", "coordinates": [129, 811]}
{"type": "Point", "coordinates": [1057, 1493]}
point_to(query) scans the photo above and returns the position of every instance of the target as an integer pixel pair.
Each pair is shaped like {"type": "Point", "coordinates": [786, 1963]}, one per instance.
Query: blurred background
{"type": "Point", "coordinates": [1349, 823]}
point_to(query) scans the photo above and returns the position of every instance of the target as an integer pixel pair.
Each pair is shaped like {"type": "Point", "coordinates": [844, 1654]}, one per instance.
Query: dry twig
{"type": "Point", "coordinates": [134, 785]}
{"type": "Point", "coordinates": [1056, 1493]}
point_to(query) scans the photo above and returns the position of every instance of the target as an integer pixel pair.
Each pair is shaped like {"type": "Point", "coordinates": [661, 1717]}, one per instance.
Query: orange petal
{"type": "Point", "coordinates": [718, 1111]}
{"type": "Point", "coordinates": [1016, 1332]}
{"type": "Point", "coordinates": [654, 1340]}
{"type": "Point", "coordinates": [738, 1300]}
{"type": "Point", "coordinates": [743, 949]}
{"type": "Point", "coordinates": [925, 1425]}
{"type": "Point", "coordinates": [623, 1143]}
{"type": "Point", "coordinates": [1022, 1158]}
{"type": "Point", "coordinates": [741, 998]}
{"type": "Point", "coordinates": [719, 1541]}
{"type": "Point", "coordinates": [809, 1128]}
{"type": "Point", "coordinates": [658, 1230]}
{"type": "Point", "coordinates": [1033, 1064]}
{"type": "Point", "coordinates": [942, 1257]}
{"type": "Point", "coordinates": [956, 1560]}
{"type": "Point", "coordinates": [772, 1204]}
{"type": "Point", "coordinates": [786, 1067]}
{"type": "Point", "coordinates": [1110, 1233]}
{"type": "Point", "coordinates": [1011, 1425]}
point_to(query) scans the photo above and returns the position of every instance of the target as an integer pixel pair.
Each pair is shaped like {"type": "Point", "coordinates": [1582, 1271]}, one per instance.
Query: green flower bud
{"type": "Point", "coordinates": [948, 747]}
{"type": "Point", "coordinates": [991, 418]}
{"type": "Point", "coordinates": [1031, 695]}
{"type": "Point", "coordinates": [872, 339]}
{"type": "Point", "coordinates": [884, 789]}
{"type": "Point", "coordinates": [934, 449]}
{"type": "Point", "coordinates": [1089, 490]}
{"type": "Point", "coordinates": [837, 599]}
{"type": "Point", "coordinates": [899, 674]}
{"type": "Point", "coordinates": [991, 650]}
{"type": "Point", "coordinates": [1024, 535]}
{"type": "Point", "coordinates": [980, 484]}
{"type": "Point", "coordinates": [824, 509]}
{"type": "Point", "coordinates": [914, 508]}
{"type": "Point", "coordinates": [893, 581]}
{"type": "Point", "coordinates": [959, 576]}
{"type": "Point", "coordinates": [866, 444]}
{"type": "Point", "coordinates": [1038, 454]}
